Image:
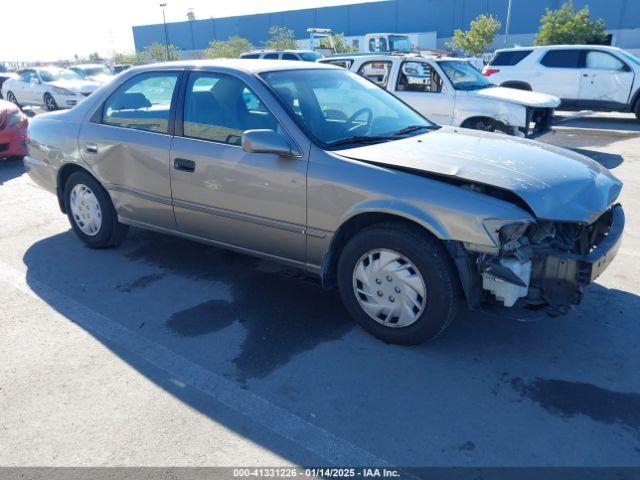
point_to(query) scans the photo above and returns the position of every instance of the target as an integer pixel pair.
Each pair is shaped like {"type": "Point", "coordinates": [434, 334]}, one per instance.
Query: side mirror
{"type": "Point", "coordinates": [267, 141]}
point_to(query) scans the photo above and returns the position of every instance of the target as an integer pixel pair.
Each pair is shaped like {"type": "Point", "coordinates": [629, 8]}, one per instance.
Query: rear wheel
{"type": "Point", "coordinates": [50, 102]}
{"type": "Point", "coordinates": [91, 212]}
{"type": "Point", "coordinates": [398, 283]}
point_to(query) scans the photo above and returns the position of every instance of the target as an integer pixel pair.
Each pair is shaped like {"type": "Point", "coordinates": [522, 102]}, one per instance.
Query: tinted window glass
{"type": "Point", "coordinates": [249, 55]}
{"type": "Point", "coordinates": [509, 59]}
{"type": "Point", "coordinates": [563, 59]}
{"type": "Point", "coordinates": [340, 63]}
{"type": "Point", "coordinates": [220, 107]}
{"type": "Point", "coordinates": [271, 56]}
{"type": "Point", "coordinates": [419, 77]}
{"type": "Point", "coordinates": [289, 56]}
{"type": "Point", "coordinates": [377, 72]}
{"type": "Point", "coordinates": [143, 102]}
{"type": "Point", "coordinates": [603, 61]}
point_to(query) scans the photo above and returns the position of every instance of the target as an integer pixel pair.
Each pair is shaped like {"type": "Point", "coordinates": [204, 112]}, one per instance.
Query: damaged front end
{"type": "Point", "coordinates": [542, 266]}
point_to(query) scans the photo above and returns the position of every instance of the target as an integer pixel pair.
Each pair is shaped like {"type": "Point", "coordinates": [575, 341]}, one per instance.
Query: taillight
{"type": "Point", "coordinates": [490, 71]}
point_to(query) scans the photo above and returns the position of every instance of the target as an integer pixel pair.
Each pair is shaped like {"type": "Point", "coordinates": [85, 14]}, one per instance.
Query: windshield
{"type": "Point", "coordinates": [399, 43]}
{"type": "Point", "coordinates": [335, 105]}
{"type": "Point", "coordinates": [55, 74]}
{"type": "Point", "coordinates": [463, 75]}
{"type": "Point", "coordinates": [631, 57]}
{"type": "Point", "coordinates": [93, 71]}
{"type": "Point", "coordinates": [310, 56]}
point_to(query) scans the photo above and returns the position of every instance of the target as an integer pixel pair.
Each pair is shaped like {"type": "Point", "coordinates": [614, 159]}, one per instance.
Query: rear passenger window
{"type": "Point", "coordinates": [563, 59]}
{"type": "Point", "coordinates": [220, 108]}
{"type": "Point", "coordinates": [510, 58]}
{"type": "Point", "coordinates": [377, 72]}
{"type": "Point", "coordinates": [340, 63]}
{"type": "Point", "coordinates": [142, 103]}
{"type": "Point", "coordinates": [249, 55]}
{"type": "Point", "coordinates": [271, 56]}
{"type": "Point", "coordinates": [289, 56]}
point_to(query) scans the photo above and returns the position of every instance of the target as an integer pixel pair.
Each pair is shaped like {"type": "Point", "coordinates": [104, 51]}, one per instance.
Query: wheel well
{"type": "Point", "coordinates": [518, 85]}
{"type": "Point", "coordinates": [63, 175]}
{"type": "Point", "coordinates": [471, 120]}
{"type": "Point", "coordinates": [350, 228]}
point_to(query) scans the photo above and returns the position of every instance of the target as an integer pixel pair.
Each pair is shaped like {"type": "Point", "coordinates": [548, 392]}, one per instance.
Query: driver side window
{"type": "Point", "coordinates": [419, 77]}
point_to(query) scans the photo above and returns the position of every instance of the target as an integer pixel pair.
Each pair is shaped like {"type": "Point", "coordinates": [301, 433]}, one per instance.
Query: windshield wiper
{"type": "Point", "coordinates": [358, 139]}
{"type": "Point", "coordinates": [414, 128]}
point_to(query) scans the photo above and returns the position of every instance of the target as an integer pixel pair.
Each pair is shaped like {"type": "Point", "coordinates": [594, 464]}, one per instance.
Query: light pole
{"type": "Point", "coordinates": [506, 30]}
{"type": "Point", "coordinates": [166, 35]}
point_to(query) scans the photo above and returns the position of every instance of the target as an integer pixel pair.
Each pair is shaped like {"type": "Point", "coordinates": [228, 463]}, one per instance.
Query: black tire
{"type": "Point", "coordinates": [517, 86]}
{"type": "Point", "coordinates": [482, 124]}
{"type": "Point", "coordinates": [12, 98]}
{"type": "Point", "coordinates": [111, 232]}
{"type": "Point", "coordinates": [433, 264]}
{"type": "Point", "coordinates": [636, 110]}
{"type": "Point", "coordinates": [50, 102]}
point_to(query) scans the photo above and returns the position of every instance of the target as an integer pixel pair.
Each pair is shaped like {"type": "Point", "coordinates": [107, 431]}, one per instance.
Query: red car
{"type": "Point", "coordinates": [13, 131]}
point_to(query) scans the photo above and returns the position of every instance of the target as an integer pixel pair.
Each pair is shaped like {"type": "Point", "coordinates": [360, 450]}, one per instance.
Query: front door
{"type": "Point", "coordinates": [255, 201]}
{"type": "Point", "coordinates": [605, 78]}
{"type": "Point", "coordinates": [422, 86]}
{"type": "Point", "coordinates": [128, 148]}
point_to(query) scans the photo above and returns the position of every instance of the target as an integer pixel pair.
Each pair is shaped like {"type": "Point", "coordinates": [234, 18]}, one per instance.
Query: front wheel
{"type": "Point", "coordinates": [637, 109]}
{"type": "Point", "coordinates": [12, 98]}
{"type": "Point", "coordinates": [50, 102]}
{"type": "Point", "coordinates": [91, 212]}
{"type": "Point", "coordinates": [398, 283]}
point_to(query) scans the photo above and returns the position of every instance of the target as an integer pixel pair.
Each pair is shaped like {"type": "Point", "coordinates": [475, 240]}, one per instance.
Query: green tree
{"type": "Point", "coordinates": [339, 43]}
{"type": "Point", "coordinates": [281, 38]}
{"type": "Point", "coordinates": [232, 48]}
{"type": "Point", "coordinates": [565, 26]}
{"type": "Point", "coordinates": [157, 52]}
{"type": "Point", "coordinates": [129, 58]}
{"type": "Point", "coordinates": [475, 41]}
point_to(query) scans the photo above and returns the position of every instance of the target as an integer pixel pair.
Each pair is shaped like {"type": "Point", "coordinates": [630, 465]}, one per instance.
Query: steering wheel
{"type": "Point", "coordinates": [355, 115]}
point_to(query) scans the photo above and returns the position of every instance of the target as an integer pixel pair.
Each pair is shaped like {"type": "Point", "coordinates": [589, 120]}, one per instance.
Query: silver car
{"type": "Point", "coordinates": [316, 167]}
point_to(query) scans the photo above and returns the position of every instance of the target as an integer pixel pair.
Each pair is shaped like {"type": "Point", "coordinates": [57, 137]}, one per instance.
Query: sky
{"type": "Point", "coordinates": [48, 30]}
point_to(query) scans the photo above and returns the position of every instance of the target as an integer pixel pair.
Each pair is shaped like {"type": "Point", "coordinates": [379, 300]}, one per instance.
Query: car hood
{"type": "Point", "coordinates": [78, 86]}
{"type": "Point", "coordinates": [557, 184]}
{"type": "Point", "coordinates": [521, 97]}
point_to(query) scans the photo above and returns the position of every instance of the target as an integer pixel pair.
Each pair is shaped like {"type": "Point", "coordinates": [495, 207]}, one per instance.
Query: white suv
{"type": "Point", "coordinates": [299, 55]}
{"type": "Point", "coordinates": [584, 76]}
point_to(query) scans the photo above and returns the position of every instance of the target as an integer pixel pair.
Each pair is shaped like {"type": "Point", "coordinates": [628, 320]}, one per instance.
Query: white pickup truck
{"type": "Point", "coordinates": [450, 91]}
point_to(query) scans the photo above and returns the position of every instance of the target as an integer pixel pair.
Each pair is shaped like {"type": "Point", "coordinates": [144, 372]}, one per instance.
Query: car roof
{"type": "Point", "coordinates": [279, 51]}
{"type": "Point", "coordinates": [87, 65]}
{"type": "Point", "coordinates": [560, 47]}
{"type": "Point", "coordinates": [247, 65]}
{"type": "Point", "coordinates": [389, 57]}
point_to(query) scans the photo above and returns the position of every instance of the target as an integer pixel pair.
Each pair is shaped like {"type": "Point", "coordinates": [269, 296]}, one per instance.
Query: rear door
{"type": "Point", "coordinates": [250, 200]}
{"type": "Point", "coordinates": [558, 73]}
{"type": "Point", "coordinates": [605, 78]}
{"type": "Point", "coordinates": [422, 86]}
{"type": "Point", "coordinates": [127, 145]}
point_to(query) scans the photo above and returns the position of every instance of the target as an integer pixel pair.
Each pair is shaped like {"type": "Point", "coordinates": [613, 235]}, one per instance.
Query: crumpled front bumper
{"type": "Point", "coordinates": [565, 274]}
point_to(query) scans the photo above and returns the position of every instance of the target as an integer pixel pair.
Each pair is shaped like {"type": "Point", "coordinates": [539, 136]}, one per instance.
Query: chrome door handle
{"type": "Point", "coordinates": [91, 148]}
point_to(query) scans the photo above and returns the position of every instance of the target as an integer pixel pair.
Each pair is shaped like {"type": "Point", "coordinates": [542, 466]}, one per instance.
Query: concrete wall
{"type": "Point", "coordinates": [622, 18]}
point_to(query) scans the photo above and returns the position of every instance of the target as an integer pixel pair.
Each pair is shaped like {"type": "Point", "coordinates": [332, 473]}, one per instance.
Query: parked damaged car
{"type": "Point", "coordinates": [407, 218]}
{"type": "Point", "coordinates": [450, 91]}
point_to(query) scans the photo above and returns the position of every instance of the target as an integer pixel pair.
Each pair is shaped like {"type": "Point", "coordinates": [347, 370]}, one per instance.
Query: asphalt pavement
{"type": "Point", "coordinates": [164, 352]}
